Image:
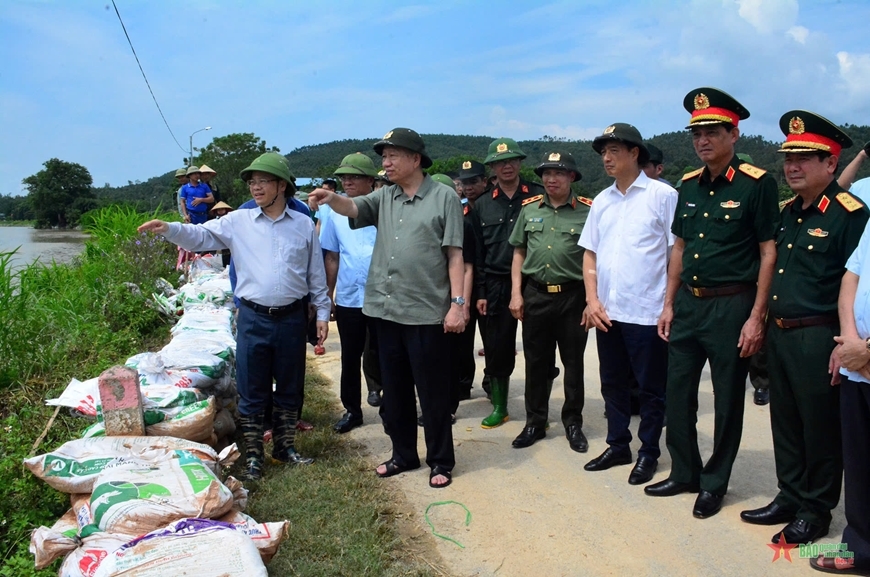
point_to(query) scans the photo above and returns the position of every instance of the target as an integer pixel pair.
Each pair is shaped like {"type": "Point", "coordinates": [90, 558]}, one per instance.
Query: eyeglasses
{"type": "Point", "coordinates": [260, 181]}
{"type": "Point", "coordinates": [343, 177]}
{"type": "Point", "coordinates": [509, 161]}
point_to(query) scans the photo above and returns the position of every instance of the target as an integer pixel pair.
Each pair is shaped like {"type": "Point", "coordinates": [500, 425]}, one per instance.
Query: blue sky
{"type": "Point", "coordinates": [298, 73]}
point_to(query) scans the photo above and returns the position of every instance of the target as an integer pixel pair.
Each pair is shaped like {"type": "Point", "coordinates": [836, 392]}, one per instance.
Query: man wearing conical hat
{"type": "Point", "coordinates": [820, 229]}
{"type": "Point", "coordinates": [715, 306]}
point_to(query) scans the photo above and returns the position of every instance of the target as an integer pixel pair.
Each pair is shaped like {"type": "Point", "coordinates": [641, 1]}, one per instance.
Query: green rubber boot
{"type": "Point", "coordinates": [499, 413]}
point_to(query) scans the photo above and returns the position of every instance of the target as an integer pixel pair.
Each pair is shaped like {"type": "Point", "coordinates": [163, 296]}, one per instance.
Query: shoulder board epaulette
{"type": "Point", "coordinates": [693, 174]}
{"type": "Point", "coordinates": [849, 202]}
{"type": "Point", "coordinates": [786, 202]}
{"type": "Point", "coordinates": [584, 200]}
{"type": "Point", "coordinates": [532, 199]}
{"type": "Point", "coordinates": [752, 171]}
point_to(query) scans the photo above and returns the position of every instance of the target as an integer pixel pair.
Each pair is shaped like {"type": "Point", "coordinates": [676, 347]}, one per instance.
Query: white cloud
{"type": "Point", "coordinates": [768, 15]}
{"type": "Point", "coordinates": [855, 72]}
{"type": "Point", "coordinates": [799, 33]}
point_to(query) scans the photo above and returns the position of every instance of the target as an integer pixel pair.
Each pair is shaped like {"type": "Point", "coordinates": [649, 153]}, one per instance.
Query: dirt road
{"type": "Point", "coordinates": [536, 511]}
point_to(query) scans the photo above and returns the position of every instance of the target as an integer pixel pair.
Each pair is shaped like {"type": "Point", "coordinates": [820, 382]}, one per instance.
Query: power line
{"type": "Point", "coordinates": [146, 78]}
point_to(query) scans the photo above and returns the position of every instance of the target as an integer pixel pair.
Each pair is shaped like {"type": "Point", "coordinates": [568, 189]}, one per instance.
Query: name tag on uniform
{"type": "Point", "coordinates": [537, 219]}
{"type": "Point", "coordinates": [690, 205]}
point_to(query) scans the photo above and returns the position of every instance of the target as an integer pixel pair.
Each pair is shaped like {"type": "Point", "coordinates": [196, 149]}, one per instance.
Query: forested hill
{"type": "Point", "coordinates": [448, 152]}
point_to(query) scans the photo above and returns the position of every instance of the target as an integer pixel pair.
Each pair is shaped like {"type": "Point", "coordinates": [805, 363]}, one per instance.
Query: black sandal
{"type": "Point", "coordinates": [439, 470]}
{"type": "Point", "coordinates": [393, 468]}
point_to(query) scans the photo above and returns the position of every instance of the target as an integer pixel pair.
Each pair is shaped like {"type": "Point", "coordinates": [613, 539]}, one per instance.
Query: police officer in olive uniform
{"type": "Point", "coordinates": [718, 282]}
{"type": "Point", "coordinates": [820, 229]}
{"type": "Point", "coordinates": [472, 176]}
{"type": "Point", "coordinates": [492, 220]}
{"type": "Point", "coordinates": [548, 295]}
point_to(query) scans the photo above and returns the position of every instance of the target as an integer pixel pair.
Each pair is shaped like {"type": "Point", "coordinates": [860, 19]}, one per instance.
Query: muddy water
{"type": "Point", "coordinates": [45, 245]}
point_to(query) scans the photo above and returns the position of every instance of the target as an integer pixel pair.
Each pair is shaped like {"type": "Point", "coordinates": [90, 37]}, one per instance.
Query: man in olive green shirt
{"type": "Point", "coordinates": [716, 300]}
{"type": "Point", "coordinates": [548, 296]}
{"type": "Point", "coordinates": [416, 268]}
{"type": "Point", "coordinates": [820, 229]}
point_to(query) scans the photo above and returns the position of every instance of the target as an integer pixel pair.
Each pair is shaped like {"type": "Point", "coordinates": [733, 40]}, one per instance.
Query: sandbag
{"type": "Point", "coordinates": [194, 422]}
{"type": "Point", "coordinates": [169, 367]}
{"type": "Point", "coordinates": [266, 536]}
{"type": "Point", "coordinates": [50, 543]}
{"type": "Point", "coordinates": [73, 467]}
{"type": "Point", "coordinates": [92, 550]}
{"type": "Point", "coordinates": [195, 547]}
{"type": "Point", "coordinates": [137, 497]}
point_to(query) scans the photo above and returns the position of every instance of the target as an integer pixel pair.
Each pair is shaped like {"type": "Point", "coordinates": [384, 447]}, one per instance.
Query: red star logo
{"type": "Point", "coordinates": [783, 549]}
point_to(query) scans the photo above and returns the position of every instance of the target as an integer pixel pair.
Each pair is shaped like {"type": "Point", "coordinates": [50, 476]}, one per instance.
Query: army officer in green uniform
{"type": "Point", "coordinates": [548, 296]}
{"type": "Point", "coordinates": [820, 229]}
{"type": "Point", "coordinates": [716, 300]}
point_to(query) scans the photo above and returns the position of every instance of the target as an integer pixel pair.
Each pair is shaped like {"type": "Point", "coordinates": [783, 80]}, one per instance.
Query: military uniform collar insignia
{"type": "Point", "coordinates": [823, 203]}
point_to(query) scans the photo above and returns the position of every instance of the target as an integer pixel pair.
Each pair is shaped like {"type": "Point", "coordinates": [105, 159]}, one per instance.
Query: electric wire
{"type": "Point", "coordinates": [148, 84]}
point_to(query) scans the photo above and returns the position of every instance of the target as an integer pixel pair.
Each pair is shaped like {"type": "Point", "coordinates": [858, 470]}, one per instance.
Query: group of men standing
{"type": "Point", "coordinates": [670, 280]}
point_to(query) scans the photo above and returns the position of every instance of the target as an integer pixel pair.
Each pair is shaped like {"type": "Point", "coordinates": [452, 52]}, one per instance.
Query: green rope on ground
{"type": "Point", "coordinates": [445, 537]}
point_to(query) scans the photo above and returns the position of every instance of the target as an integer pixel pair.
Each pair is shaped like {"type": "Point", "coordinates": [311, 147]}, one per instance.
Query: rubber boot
{"type": "Point", "coordinates": [252, 431]}
{"type": "Point", "coordinates": [499, 413]}
{"type": "Point", "coordinates": [284, 437]}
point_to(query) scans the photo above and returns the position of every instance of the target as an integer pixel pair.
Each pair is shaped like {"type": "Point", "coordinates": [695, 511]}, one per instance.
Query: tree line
{"type": "Point", "coordinates": [60, 193]}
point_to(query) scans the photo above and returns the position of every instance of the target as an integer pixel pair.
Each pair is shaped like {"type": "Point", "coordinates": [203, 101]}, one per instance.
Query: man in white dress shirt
{"type": "Point", "coordinates": [278, 262]}
{"type": "Point", "coordinates": [628, 239]}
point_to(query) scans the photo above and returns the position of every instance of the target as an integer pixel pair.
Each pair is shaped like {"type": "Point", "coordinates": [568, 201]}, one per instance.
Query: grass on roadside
{"type": "Point", "coordinates": [343, 519]}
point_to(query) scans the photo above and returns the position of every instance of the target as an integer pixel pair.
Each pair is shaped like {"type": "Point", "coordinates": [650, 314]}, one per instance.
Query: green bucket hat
{"type": "Point", "coordinates": [180, 172]}
{"type": "Point", "coordinates": [271, 163]}
{"type": "Point", "coordinates": [407, 139]}
{"type": "Point", "coordinates": [192, 170]}
{"type": "Point", "coordinates": [503, 149]}
{"type": "Point", "coordinates": [357, 163]}
{"type": "Point", "coordinates": [445, 180]}
{"type": "Point", "coordinates": [625, 133]}
{"type": "Point", "coordinates": [558, 159]}
{"type": "Point", "coordinates": [656, 156]}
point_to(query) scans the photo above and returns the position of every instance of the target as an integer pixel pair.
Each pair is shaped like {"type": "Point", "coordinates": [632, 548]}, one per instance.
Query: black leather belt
{"type": "Point", "coordinates": [281, 311]}
{"type": "Point", "coordinates": [570, 286]}
{"type": "Point", "coordinates": [813, 321]}
{"type": "Point", "coordinates": [720, 291]}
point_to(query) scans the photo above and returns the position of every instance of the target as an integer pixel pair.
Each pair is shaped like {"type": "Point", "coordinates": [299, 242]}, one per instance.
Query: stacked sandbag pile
{"type": "Point", "coordinates": [144, 506]}
{"type": "Point", "coordinates": [188, 387]}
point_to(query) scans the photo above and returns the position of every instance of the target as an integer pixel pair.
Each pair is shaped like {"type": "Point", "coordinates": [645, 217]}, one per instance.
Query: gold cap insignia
{"type": "Point", "coordinates": [609, 129]}
{"type": "Point", "coordinates": [387, 135]}
{"type": "Point", "coordinates": [502, 147]}
{"type": "Point", "coordinates": [701, 101]}
{"type": "Point", "coordinates": [796, 125]}
{"type": "Point", "coordinates": [817, 232]}
{"type": "Point", "coordinates": [555, 157]}
{"type": "Point", "coordinates": [466, 165]}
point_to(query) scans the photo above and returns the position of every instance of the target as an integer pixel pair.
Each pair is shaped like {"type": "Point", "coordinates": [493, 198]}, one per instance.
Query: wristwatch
{"type": "Point", "coordinates": [458, 300]}
{"type": "Point", "coordinates": [868, 343]}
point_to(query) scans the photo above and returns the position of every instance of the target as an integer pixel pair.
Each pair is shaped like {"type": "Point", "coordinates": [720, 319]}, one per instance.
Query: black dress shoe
{"type": "Point", "coordinates": [669, 488]}
{"type": "Point", "coordinates": [801, 531]}
{"type": "Point", "coordinates": [348, 423]}
{"type": "Point", "coordinates": [761, 396]}
{"type": "Point", "coordinates": [771, 514]}
{"type": "Point", "coordinates": [528, 437]}
{"type": "Point", "coordinates": [707, 504]}
{"type": "Point", "coordinates": [374, 399]}
{"type": "Point", "coordinates": [609, 458]}
{"type": "Point", "coordinates": [643, 471]}
{"type": "Point", "coordinates": [576, 439]}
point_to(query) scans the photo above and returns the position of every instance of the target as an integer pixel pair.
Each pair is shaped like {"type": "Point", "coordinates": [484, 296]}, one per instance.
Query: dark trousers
{"type": "Point", "coordinates": [805, 421]}
{"type": "Point", "coordinates": [353, 328]}
{"type": "Point", "coordinates": [269, 348]}
{"type": "Point", "coordinates": [371, 364]}
{"type": "Point", "coordinates": [706, 329]}
{"type": "Point", "coordinates": [625, 349]}
{"type": "Point", "coordinates": [855, 421]}
{"type": "Point", "coordinates": [551, 319]}
{"type": "Point", "coordinates": [758, 373]}
{"type": "Point", "coordinates": [464, 353]}
{"type": "Point", "coordinates": [416, 354]}
{"type": "Point", "coordinates": [500, 338]}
